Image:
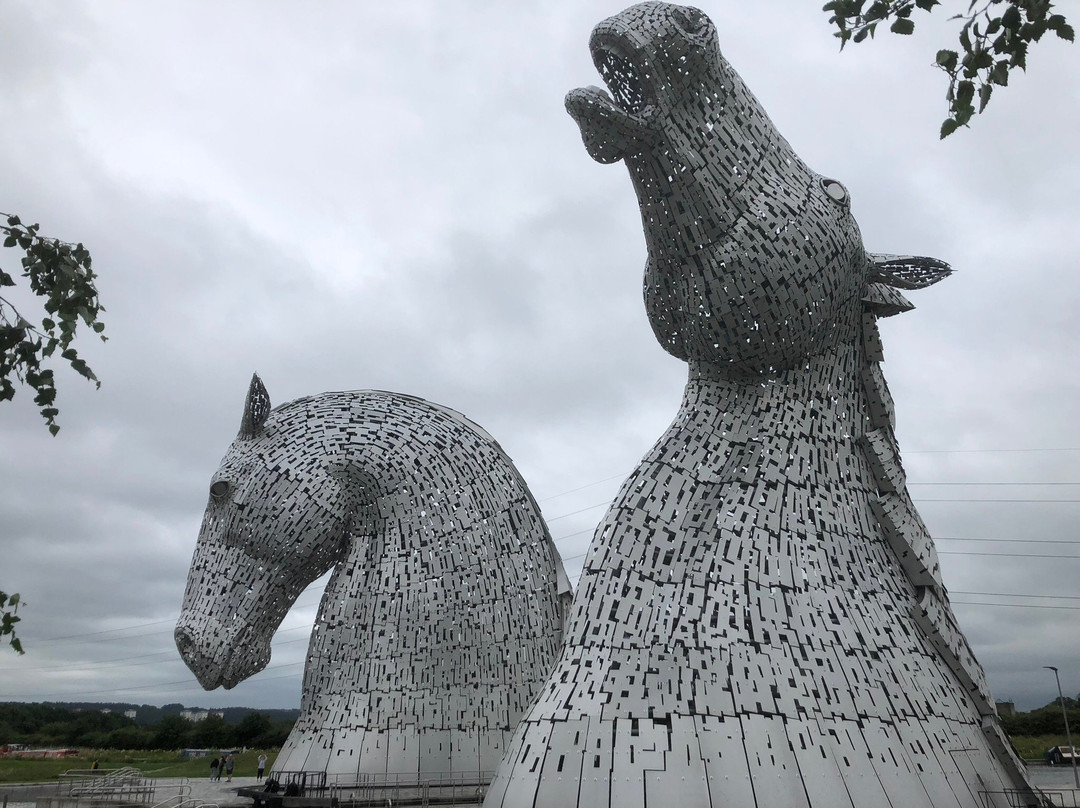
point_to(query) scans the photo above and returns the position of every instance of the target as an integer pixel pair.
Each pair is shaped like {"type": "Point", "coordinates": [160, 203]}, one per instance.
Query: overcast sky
{"type": "Point", "coordinates": [390, 195]}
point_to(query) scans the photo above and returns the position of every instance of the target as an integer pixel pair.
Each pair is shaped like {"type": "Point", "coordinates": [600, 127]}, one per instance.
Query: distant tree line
{"type": "Point", "coordinates": [147, 714]}
{"type": "Point", "coordinates": [41, 725]}
{"type": "Point", "coordinates": [1046, 720]}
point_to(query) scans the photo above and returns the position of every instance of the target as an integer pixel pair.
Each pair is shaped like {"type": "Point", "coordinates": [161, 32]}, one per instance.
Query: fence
{"type": "Point", "coordinates": [126, 785]}
{"type": "Point", "coordinates": [353, 791]}
{"type": "Point", "coordinates": [1048, 798]}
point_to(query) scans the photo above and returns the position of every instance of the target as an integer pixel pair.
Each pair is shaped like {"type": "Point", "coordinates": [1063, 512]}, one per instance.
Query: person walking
{"type": "Point", "coordinates": [229, 764]}
{"type": "Point", "coordinates": [214, 769]}
{"type": "Point", "coordinates": [262, 766]}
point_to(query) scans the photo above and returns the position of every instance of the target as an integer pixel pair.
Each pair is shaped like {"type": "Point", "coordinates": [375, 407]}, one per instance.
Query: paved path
{"type": "Point", "coordinates": [1052, 777]}
{"type": "Point", "coordinates": [206, 790]}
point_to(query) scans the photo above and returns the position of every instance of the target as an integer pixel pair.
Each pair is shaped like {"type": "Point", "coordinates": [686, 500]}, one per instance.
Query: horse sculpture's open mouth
{"type": "Point", "coordinates": [611, 123]}
{"type": "Point", "coordinates": [630, 89]}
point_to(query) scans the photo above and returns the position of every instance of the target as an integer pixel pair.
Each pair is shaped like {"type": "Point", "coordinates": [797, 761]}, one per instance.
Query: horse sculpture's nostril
{"type": "Point", "coordinates": [185, 642]}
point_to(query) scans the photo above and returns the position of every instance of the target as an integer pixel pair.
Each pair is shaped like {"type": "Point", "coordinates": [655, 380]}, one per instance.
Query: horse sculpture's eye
{"type": "Point", "coordinates": [690, 19]}
{"type": "Point", "coordinates": [219, 489]}
{"type": "Point", "coordinates": [837, 192]}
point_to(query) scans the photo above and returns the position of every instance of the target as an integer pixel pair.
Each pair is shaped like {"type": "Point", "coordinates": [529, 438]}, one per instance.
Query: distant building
{"type": "Point", "coordinates": [130, 713]}
{"type": "Point", "coordinates": [195, 716]}
{"type": "Point", "coordinates": [105, 710]}
{"type": "Point", "coordinates": [1006, 708]}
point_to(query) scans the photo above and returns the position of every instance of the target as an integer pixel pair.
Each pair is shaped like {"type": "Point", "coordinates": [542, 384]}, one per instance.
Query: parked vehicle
{"type": "Point", "coordinates": [1060, 754]}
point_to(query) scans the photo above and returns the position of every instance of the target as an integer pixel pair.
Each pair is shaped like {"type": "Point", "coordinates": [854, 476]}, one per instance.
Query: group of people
{"type": "Point", "coordinates": [223, 766]}
{"type": "Point", "coordinates": [226, 765]}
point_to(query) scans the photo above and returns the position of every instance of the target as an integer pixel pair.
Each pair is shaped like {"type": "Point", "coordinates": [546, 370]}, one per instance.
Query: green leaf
{"type": "Point", "coordinates": [965, 92]}
{"type": "Point", "coordinates": [984, 95]}
{"type": "Point", "coordinates": [11, 241]}
{"type": "Point", "coordinates": [965, 39]}
{"type": "Point", "coordinates": [902, 26]}
{"type": "Point", "coordinates": [947, 59]}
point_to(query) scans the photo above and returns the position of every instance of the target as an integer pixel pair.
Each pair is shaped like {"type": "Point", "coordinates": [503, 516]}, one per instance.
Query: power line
{"type": "Point", "coordinates": [910, 482]}
{"type": "Point", "coordinates": [1006, 555]}
{"type": "Point", "coordinates": [582, 510]}
{"type": "Point", "coordinates": [143, 625]}
{"type": "Point", "coordinates": [914, 499]}
{"type": "Point", "coordinates": [1015, 605]}
{"type": "Point", "coordinates": [109, 663]}
{"type": "Point", "coordinates": [106, 631]}
{"type": "Point", "coordinates": [925, 499]}
{"type": "Point", "coordinates": [975, 451]}
{"type": "Point", "coordinates": [583, 487]}
{"type": "Point", "coordinates": [1017, 541]}
{"type": "Point", "coordinates": [143, 687]}
{"type": "Point", "coordinates": [1018, 595]}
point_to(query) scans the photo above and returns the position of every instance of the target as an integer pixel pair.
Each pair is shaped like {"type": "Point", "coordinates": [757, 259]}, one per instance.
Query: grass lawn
{"type": "Point", "coordinates": [1033, 747]}
{"type": "Point", "coordinates": [150, 763]}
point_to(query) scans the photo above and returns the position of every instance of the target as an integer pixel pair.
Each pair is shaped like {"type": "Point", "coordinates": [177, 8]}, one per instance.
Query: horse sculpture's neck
{"type": "Point", "coordinates": [820, 398]}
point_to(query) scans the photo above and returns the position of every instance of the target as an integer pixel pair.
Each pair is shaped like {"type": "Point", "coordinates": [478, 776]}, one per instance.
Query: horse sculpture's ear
{"type": "Point", "coordinates": [888, 273]}
{"type": "Point", "coordinates": [907, 271]}
{"type": "Point", "coordinates": [256, 409]}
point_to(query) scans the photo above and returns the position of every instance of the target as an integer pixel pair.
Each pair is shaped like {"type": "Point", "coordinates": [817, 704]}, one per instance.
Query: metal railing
{"type": "Point", "coordinates": [126, 785]}
{"type": "Point", "coordinates": [1047, 798]}
{"type": "Point", "coordinates": [182, 797]}
{"type": "Point", "coordinates": [184, 802]}
{"type": "Point", "coordinates": [423, 788]}
{"type": "Point", "coordinates": [391, 788]}
{"type": "Point", "coordinates": [300, 784]}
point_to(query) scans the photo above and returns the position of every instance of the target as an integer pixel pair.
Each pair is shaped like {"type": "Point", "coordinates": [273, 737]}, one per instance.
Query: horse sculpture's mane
{"type": "Point", "coordinates": [444, 609]}
{"type": "Point", "coordinates": [760, 620]}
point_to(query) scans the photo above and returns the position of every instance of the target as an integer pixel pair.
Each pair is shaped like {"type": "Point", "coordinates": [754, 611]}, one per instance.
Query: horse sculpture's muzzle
{"type": "Point", "coordinates": [217, 655]}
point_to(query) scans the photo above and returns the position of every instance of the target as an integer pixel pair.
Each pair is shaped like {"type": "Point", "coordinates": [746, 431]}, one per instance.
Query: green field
{"type": "Point", "coordinates": [152, 764]}
{"type": "Point", "coordinates": [1033, 747]}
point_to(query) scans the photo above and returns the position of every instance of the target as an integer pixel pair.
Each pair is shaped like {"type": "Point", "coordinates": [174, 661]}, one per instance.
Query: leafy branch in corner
{"type": "Point", "coordinates": [9, 619]}
{"type": "Point", "coordinates": [995, 36]}
{"type": "Point", "coordinates": [59, 273]}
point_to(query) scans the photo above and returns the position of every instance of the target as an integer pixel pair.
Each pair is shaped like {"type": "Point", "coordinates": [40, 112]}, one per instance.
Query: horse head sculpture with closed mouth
{"type": "Point", "coordinates": [444, 610]}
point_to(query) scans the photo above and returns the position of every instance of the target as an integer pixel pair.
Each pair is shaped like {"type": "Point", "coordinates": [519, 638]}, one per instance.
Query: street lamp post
{"type": "Point", "coordinates": [1065, 715]}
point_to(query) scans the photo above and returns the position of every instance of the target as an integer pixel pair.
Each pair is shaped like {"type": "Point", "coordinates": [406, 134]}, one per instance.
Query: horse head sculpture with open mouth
{"type": "Point", "coordinates": [760, 620]}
